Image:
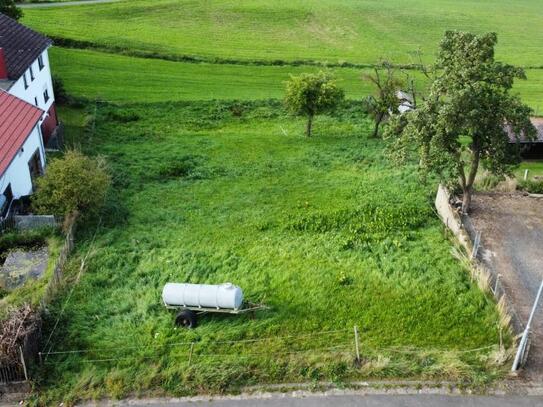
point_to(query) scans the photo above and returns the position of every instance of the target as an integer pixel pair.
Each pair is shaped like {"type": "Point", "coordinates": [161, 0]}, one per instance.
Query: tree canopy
{"type": "Point", "coordinates": [10, 9]}
{"type": "Point", "coordinates": [384, 101]}
{"type": "Point", "coordinates": [311, 94]}
{"type": "Point", "coordinates": [463, 120]}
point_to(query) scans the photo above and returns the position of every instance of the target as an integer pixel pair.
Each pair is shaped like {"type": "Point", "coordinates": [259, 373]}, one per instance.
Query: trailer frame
{"type": "Point", "coordinates": [187, 316]}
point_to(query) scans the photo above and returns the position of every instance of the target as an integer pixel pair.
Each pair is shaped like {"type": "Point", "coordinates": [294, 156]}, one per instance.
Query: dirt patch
{"type": "Point", "coordinates": [511, 227]}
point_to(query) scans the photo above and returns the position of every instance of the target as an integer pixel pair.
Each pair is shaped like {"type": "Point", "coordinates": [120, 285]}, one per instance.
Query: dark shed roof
{"type": "Point", "coordinates": [538, 124]}
{"type": "Point", "coordinates": [21, 45]}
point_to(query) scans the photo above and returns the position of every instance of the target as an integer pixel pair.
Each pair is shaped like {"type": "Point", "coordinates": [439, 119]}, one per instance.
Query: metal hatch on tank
{"type": "Point", "coordinates": [197, 299]}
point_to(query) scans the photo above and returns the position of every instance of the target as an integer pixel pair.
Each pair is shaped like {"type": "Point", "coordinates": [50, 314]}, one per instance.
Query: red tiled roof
{"type": "Point", "coordinates": [17, 120]}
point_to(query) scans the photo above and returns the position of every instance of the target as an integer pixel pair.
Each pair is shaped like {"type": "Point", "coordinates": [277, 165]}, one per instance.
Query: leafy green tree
{"type": "Point", "coordinates": [462, 121]}
{"type": "Point", "coordinates": [384, 101]}
{"type": "Point", "coordinates": [10, 9]}
{"type": "Point", "coordinates": [73, 183]}
{"type": "Point", "coordinates": [311, 94]}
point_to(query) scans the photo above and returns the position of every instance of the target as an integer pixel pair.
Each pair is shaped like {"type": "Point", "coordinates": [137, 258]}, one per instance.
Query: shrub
{"type": "Point", "coordinates": [72, 183]}
{"type": "Point", "coordinates": [534, 186]}
{"type": "Point", "coordinates": [61, 96]}
{"type": "Point", "coordinates": [10, 9]}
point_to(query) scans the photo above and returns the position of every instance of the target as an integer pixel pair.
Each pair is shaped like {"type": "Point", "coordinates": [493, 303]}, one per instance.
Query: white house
{"type": "Point", "coordinates": [28, 115]}
{"type": "Point", "coordinates": [22, 153]}
{"type": "Point", "coordinates": [25, 71]}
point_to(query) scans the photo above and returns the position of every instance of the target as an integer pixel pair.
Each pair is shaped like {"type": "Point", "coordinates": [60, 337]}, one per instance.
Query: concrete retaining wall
{"type": "Point", "coordinates": [451, 218]}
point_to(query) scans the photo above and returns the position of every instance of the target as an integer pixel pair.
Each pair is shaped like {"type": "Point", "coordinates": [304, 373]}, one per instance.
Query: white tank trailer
{"type": "Point", "coordinates": [221, 296]}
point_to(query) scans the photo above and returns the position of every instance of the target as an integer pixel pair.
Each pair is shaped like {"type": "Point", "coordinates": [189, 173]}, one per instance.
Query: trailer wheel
{"type": "Point", "coordinates": [186, 319]}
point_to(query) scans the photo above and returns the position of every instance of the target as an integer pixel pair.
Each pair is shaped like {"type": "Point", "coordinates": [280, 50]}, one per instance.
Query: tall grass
{"type": "Point", "coordinates": [325, 231]}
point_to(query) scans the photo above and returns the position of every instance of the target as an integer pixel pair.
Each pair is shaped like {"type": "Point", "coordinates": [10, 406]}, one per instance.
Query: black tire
{"type": "Point", "coordinates": [186, 319]}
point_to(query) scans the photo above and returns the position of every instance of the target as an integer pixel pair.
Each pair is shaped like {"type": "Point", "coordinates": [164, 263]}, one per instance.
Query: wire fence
{"type": "Point", "coordinates": [58, 269]}
{"type": "Point", "coordinates": [487, 277]}
{"type": "Point", "coordinates": [262, 355]}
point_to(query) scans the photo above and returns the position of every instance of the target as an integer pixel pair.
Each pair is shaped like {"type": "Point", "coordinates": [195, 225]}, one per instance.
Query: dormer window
{"type": "Point", "coordinates": [25, 80]}
{"type": "Point", "coordinates": [31, 74]}
{"type": "Point", "coordinates": [40, 62]}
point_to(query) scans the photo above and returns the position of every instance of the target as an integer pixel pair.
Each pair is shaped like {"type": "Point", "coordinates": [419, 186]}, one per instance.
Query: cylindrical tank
{"type": "Point", "coordinates": [225, 295]}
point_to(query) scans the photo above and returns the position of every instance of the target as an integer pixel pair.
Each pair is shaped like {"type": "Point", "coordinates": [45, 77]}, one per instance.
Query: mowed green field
{"type": "Point", "coordinates": [118, 78]}
{"type": "Point", "coordinates": [325, 231]}
{"type": "Point", "coordinates": [361, 31]}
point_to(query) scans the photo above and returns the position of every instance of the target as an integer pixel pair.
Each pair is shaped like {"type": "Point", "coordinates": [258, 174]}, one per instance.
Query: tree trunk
{"type": "Point", "coordinates": [467, 187]}
{"type": "Point", "coordinates": [376, 128]}
{"type": "Point", "coordinates": [466, 199]}
{"type": "Point", "coordinates": [309, 126]}
{"type": "Point", "coordinates": [377, 124]}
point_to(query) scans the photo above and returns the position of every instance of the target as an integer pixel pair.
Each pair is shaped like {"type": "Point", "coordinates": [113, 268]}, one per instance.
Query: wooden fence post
{"type": "Point", "coordinates": [23, 363]}
{"type": "Point", "coordinates": [356, 345]}
{"type": "Point", "coordinates": [496, 285]}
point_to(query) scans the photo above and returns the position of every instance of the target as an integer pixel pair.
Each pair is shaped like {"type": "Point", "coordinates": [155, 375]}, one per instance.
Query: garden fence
{"type": "Point", "coordinates": [7, 224]}
{"type": "Point", "coordinates": [58, 269]}
{"type": "Point", "coordinates": [17, 372]}
{"type": "Point", "coordinates": [315, 353]}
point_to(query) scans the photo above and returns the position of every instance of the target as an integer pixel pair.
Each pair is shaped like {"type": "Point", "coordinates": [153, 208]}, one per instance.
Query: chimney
{"type": "Point", "coordinates": [3, 66]}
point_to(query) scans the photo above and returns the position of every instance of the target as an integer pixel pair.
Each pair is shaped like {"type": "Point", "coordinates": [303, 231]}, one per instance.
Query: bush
{"type": "Point", "coordinates": [73, 183]}
{"type": "Point", "coordinates": [533, 186]}
{"type": "Point", "coordinates": [61, 96]}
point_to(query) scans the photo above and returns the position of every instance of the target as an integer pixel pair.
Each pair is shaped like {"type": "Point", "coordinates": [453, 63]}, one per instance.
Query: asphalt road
{"type": "Point", "coordinates": [349, 401]}
{"type": "Point", "coordinates": [64, 3]}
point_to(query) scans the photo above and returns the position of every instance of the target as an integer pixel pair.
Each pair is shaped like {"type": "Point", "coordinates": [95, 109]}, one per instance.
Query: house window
{"type": "Point", "coordinates": [25, 81]}
{"type": "Point", "coordinates": [35, 167]}
{"type": "Point", "coordinates": [31, 74]}
{"type": "Point", "coordinates": [40, 62]}
{"type": "Point", "coordinates": [46, 95]}
{"type": "Point", "coordinates": [36, 101]}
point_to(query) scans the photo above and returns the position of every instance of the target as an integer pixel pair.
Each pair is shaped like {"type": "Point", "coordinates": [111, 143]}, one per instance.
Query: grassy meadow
{"type": "Point", "coordinates": [325, 231]}
{"type": "Point", "coordinates": [118, 78]}
{"type": "Point", "coordinates": [214, 182]}
{"type": "Point", "coordinates": [358, 31]}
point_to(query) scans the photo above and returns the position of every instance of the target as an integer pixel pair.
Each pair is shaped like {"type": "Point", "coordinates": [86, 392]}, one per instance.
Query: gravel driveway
{"type": "Point", "coordinates": [511, 227]}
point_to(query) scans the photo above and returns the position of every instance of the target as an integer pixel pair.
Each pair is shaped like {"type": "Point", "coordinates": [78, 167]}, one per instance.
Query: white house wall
{"type": "Point", "coordinates": [42, 81]}
{"type": "Point", "coordinates": [18, 173]}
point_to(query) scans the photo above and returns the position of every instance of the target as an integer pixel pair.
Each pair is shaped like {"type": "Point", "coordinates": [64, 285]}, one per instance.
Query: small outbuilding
{"type": "Point", "coordinates": [406, 102]}
{"type": "Point", "coordinates": [529, 148]}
